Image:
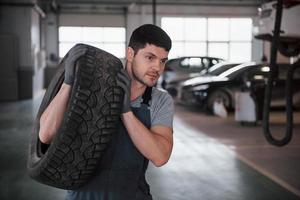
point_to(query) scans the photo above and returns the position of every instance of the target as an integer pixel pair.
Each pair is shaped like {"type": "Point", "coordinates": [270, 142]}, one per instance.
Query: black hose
{"type": "Point", "coordinates": [268, 93]}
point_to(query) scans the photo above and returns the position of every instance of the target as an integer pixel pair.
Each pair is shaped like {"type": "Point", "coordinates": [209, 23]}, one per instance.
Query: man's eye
{"type": "Point", "coordinates": [149, 57]}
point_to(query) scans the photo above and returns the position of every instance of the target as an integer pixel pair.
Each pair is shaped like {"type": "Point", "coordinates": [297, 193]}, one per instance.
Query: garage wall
{"type": "Point", "coordinates": [136, 15]}
{"type": "Point", "coordinates": [132, 17]}
{"type": "Point", "coordinates": [91, 20]}
{"type": "Point", "coordinates": [139, 15]}
{"type": "Point", "coordinates": [53, 21]}
{"type": "Point", "coordinates": [22, 23]}
{"type": "Point", "coordinates": [51, 43]}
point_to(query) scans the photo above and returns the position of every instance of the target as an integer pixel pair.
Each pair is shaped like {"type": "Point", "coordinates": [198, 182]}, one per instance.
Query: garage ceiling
{"type": "Point", "coordinates": [115, 6]}
{"type": "Point", "coordinates": [163, 2]}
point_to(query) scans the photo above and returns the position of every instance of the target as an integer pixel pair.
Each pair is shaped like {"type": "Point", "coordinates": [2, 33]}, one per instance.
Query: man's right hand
{"type": "Point", "coordinates": [73, 55]}
{"type": "Point", "coordinates": [124, 82]}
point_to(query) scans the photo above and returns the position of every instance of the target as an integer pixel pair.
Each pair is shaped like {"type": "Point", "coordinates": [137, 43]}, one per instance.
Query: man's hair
{"type": "Point", "coordinates": [149, 34]}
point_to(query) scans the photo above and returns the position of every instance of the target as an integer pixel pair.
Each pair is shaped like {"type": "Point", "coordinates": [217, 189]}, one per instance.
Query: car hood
{"type": "Point", "coordinates": [182, 77]}
{"type": "Point", "coordinates": [203, 80]}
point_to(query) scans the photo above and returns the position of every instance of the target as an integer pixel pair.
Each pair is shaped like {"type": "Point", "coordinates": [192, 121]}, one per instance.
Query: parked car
{"type": "Point", "coordinates": [204, 91]}
{"type": "Point", "coordinates": [185, 67]}
{"type": "Point", "coordinates": [217, 69]}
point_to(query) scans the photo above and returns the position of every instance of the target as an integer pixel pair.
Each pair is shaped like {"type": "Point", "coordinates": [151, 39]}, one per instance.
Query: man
{"type": "Point", "coordinates": [147, 116]}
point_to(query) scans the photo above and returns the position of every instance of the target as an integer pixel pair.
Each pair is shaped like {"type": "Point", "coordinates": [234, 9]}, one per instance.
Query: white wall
{"type": "Point", "coordinates": [36, 53]}
{"type": "Point", "coordinates": [51, 38]}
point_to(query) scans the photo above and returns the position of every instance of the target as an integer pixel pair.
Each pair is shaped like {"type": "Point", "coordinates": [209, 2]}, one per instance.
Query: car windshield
{"type": "Point", "coordinates": [195, 63]}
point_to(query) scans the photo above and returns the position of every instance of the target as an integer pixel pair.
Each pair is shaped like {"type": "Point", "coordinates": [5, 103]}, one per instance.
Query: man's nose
{"type": "Point", "coordinates": [157, 65]}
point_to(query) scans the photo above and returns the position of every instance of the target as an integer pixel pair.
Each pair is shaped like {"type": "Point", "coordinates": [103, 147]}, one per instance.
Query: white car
{"type": "Point", "coordinates": [174, 87]}
{"type": "Point", "coordinates": [185, 67]}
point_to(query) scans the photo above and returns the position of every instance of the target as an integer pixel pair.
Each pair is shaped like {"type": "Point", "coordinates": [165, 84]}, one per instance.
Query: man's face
{"type": "Point", "coordinates": [148, 64]}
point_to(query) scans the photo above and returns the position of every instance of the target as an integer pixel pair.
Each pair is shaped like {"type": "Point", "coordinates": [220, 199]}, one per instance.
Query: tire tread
{"type": "Point", "coordinates": [91, 119]}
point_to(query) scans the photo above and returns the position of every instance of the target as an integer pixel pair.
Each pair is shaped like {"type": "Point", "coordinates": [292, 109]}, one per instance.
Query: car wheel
{"type": "Point", "coordinates": [218, 95]}
{"type": "Point", "coordinates": [90, 120]}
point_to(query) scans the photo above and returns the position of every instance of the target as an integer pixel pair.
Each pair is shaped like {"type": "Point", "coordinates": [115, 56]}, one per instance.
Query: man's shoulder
{"type": "Point", "coordinates": [159, 95]}
{"type": "Point", "coordinates": [161, 108]}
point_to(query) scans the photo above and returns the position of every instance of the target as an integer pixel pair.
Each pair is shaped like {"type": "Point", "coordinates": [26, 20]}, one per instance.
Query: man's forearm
{"type": "Point", "coordinates": [52, 117]}
{"type": "Point", "coordinates": [154, 146]}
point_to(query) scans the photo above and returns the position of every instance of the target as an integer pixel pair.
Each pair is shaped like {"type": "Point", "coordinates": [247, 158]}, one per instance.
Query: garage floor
{"type": "Point", "coordinates": [213, 159]}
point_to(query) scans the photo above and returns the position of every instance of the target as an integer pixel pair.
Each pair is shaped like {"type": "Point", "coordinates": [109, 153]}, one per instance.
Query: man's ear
{"type": "Point", "coordinates": [129, 54]}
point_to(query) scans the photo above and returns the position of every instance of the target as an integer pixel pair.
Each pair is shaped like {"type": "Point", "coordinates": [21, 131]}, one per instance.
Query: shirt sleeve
{"type": "Point", "coordinates": [162, 110]}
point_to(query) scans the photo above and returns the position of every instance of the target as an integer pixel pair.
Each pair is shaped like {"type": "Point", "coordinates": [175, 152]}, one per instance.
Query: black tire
{"type": "Point", "coordinates": [218, 95]}
{"type": "Point", "coordinates": [91, 118]}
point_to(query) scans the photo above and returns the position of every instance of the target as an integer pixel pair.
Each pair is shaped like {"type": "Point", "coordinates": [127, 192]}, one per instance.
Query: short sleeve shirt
{"type": "Point", "coordinates": [161, 107]}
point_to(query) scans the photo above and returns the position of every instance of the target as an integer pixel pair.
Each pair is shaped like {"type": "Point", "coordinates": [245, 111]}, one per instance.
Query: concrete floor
{"type": "Point", "coordinates": [217, 158]}
{"type": "Point", "coordinates": [213, 159]}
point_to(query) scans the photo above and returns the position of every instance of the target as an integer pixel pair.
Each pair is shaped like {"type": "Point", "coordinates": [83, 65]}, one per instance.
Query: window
{"type": "Point", "coordinates": [110, 39]}
{"type": "Point", "coordinates": [219, 50]}
{"type": "Point", "coordinates": [227, 38]}
{"type": "Point", "coordinates": [186, 41]}
{"type": "Point", "coordinates": [191, 63]}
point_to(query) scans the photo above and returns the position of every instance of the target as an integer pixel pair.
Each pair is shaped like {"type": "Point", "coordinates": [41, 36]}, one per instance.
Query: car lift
{"type": "Point", "coordinates": [275, 39]}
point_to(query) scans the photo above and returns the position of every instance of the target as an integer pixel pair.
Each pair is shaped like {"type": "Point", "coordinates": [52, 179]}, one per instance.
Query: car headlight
{"type": "Point", "coordinates": [200, 87]}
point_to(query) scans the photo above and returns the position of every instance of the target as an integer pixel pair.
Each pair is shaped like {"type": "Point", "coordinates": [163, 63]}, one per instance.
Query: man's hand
{"type": "Point", "coordinates": [73, 55]}
{"type": "Point", "coordinates": [124, 82]}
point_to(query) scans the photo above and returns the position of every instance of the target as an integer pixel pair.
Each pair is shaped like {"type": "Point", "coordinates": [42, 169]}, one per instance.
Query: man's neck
{"type": "Point", "coordinates": [137, 89]}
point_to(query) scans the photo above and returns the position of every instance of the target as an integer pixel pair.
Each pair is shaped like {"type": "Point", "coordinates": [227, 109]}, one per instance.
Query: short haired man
{"type": "Point", "coordinates": [147, 116]}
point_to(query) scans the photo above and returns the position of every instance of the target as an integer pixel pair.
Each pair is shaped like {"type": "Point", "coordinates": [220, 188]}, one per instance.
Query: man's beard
{"type": "Point", "coordinates": [140, 80]}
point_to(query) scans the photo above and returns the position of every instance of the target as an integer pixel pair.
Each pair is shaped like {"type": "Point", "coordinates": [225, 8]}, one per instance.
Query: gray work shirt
{"type": "Point", "coordinates": [161, 107]}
